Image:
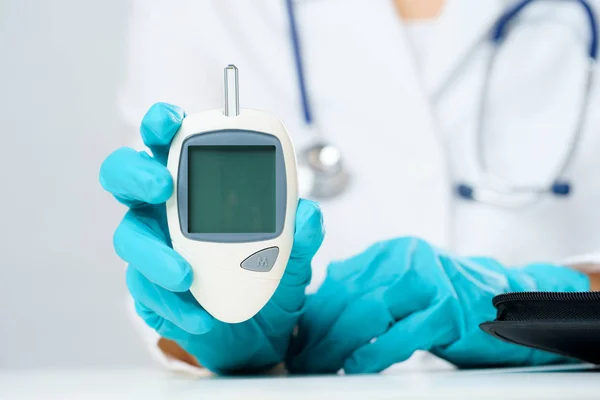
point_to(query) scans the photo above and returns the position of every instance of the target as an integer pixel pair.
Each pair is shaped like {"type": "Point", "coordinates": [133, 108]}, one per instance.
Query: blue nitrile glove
{"type": "Point", "coordinates": [403, 295]}
{"type": "Point", "coordinates": [159, 278]}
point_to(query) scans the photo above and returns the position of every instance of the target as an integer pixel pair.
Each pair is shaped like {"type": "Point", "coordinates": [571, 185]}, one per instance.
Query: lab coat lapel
{"type": "Point", "coordinates": [357, 57]}
{"type": "Point", "coordinates": [463, 25]}
{"type": "Point", "coordinates": [368, 101]}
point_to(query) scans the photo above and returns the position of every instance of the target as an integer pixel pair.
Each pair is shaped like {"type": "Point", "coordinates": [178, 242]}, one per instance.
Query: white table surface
{"type": "Point", "coordinates": [150, 384]}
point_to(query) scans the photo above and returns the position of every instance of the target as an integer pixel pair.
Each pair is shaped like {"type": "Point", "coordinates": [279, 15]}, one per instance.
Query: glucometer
{"type": "Point", "coordinates": [233, 207]}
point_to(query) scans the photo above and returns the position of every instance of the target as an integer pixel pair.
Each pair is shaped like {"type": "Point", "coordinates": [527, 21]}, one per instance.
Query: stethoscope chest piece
{"type": "Point", "coordinates": [322, 174]}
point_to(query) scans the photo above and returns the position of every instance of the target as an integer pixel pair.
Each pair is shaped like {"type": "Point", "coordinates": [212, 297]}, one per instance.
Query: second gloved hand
{"type": "Point", "coordinates": [159, 279]}
{"type": "Point", "coordinates": [403, 295]}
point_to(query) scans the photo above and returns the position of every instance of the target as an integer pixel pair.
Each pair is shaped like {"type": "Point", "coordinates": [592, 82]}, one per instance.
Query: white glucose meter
{"type": "Point", "coordinates": [233, 207]}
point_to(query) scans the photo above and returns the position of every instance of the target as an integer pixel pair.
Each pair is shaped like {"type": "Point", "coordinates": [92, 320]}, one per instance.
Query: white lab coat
{"type": "Point", "coordinates": [407, 132]}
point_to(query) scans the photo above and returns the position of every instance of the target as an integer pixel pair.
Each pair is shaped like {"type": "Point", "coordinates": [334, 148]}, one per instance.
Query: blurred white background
{"type": "Point", "coordinates": [62, 293]}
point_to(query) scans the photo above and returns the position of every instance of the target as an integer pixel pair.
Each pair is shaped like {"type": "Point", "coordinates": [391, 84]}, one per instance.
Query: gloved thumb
{"type": "Point", "coordinates": [308, 236]}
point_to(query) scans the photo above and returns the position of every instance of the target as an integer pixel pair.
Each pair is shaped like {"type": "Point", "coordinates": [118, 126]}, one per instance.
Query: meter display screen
{"type": "Point", "coordinates": [231, 189]}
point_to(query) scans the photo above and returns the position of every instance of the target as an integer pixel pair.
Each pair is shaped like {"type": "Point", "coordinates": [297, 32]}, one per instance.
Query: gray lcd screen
{"type": "Point", "coordinates": [231, 189]}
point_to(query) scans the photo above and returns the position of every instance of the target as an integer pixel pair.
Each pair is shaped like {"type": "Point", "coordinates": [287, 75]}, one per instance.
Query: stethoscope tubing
{"type": "Point", "coordinates": [295, 40]}
{"type": "Point", "coordinates": [558, 187]}
{"type": "Point", "coordinates": [491, 194]}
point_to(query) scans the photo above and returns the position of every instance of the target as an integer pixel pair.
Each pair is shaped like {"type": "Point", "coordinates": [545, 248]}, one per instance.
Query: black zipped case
{"type": "Point", "coordinates": [566, 323]}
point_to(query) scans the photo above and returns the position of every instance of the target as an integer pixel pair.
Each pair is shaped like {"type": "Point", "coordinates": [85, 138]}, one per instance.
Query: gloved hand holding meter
{"type": "Point", "coordinates": [219, 252]}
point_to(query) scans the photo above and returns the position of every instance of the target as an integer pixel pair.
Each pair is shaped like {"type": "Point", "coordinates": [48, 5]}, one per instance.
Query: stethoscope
{"type": "Point", "coordinates": [322, 166]}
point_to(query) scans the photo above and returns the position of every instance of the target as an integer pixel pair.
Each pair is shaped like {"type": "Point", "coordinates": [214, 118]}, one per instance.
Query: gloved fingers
{"type": "Point", "coordinates": [309, 231]}
{"type": "Point", "coordinates": [308, 236]}
{"type": "Point", "coordinates": [361, 321]}
{"type": "Point", "coordinates": [158, 128]}
{"type": "Point", "coordinates": [409, 294]}
{"type": "Point", "coordinates": [181, 309]}
{"type": "Point", "coordinates": [140, 246]}
{"type": "Point", "coordinates": [422, 330]}
{"type": "Point", "coordinates": [416, 284]}
{"type": "Point", "coordinates": [135, 178]}
{"type": "Point", "coordinates": [320, 312]}
{"type": "Point", "coordinates": [166, 329]}
{"type": "Point", "coordinates": [346, 281]}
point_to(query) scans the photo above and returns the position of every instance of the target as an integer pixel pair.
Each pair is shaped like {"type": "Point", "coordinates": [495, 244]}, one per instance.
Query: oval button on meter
{"type": "Point", "coordinates": [261, 261]}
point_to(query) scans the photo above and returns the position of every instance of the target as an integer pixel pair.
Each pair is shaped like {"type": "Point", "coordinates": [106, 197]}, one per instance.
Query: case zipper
{"type": "Point", "coordinates": [546, 296]}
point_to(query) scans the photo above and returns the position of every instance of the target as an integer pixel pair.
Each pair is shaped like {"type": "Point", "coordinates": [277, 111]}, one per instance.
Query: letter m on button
{"type": "Point", "coordinates": [261, 262]}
